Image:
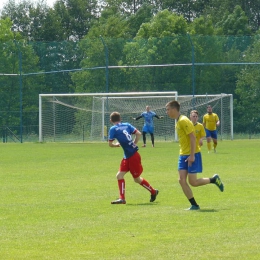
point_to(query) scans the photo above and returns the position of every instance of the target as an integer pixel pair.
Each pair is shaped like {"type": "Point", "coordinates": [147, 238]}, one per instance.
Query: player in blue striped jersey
{"type": "Point", "coordinates": [122, 132]}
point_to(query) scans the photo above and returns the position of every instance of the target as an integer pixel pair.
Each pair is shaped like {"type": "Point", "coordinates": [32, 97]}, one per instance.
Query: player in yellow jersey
{"type": "Point", "coordinates": [199, 129]}
{"type": "Point", "coordinates": [190, 162]}
{"type": "Point", "coordinates": [211, 122]}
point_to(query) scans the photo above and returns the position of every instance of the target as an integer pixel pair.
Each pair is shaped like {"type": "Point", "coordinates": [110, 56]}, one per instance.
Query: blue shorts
{"type": "Point", "coordinates": [196, 166]}
{"type": "Point", "coordinates": [148, 129]}
{"type": "Point", "coordinates": [213, 134]}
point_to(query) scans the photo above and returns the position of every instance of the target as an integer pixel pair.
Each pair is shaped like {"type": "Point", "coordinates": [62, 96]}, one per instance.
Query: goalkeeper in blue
{"type": "Point", "coordinates": [122, 132]}
{"type": "Point", "coordinates": [148, 127]}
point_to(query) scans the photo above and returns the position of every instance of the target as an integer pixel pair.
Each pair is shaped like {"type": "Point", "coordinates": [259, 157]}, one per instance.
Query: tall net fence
{"type": "Point", "coordinates": [28, 69]}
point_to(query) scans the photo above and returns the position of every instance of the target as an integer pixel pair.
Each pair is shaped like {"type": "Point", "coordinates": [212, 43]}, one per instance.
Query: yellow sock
{"type": "Point", "coordinates": [209, 146]}
{"type": "Point", "coordinates": [215, 145]}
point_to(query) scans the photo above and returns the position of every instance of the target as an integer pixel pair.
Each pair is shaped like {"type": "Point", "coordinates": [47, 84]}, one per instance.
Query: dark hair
{"type": "Point", "coordinates": [115, 117]}
{"type": "Point", "coordinates": [174, 104]}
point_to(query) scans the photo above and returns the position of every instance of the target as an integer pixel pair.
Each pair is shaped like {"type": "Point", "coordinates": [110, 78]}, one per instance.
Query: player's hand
{"type": "Point", "coordinates": [133, 118]}
{"type": "Point", "coordinates": [161, 117]}
{"type": "Point", "coordinates": [190, 160]}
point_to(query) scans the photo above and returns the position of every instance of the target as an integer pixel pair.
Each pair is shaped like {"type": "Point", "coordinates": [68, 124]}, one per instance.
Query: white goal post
{"type": "Point", "coordinates": [84, 117]}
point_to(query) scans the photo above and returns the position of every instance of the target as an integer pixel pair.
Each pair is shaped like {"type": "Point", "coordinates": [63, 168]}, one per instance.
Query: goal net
{"type": "Point", "coordinates": [85, 117]}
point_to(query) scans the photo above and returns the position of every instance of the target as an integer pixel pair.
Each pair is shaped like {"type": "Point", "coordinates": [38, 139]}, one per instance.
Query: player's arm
{"type": "Point", "coordinates": [204, 121]}
{"type": "Point", "coordinates": [137, 136]}
{"type": "Point", "coordinates": [191, 158]}
{"type": "Point", "coordinates": [136, 118]}
{"type": "Point", "coordinates": [159, 117]}
{"type": "Point", "coordinates": [202, 136]}
{"type": "Point", "coordinates": [112, 144]}
{"type": "Point", "coordinates": [201, 140]}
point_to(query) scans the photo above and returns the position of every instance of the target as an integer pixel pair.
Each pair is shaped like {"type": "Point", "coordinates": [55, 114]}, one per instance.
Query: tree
{"type": "Point", "coordinates": [235, 23]}
{"type": "Point", "coordinates": [162, 40]}
{"type": "Point", "coordinates": [248, 90]}
{"type": "Point", "coordinates": [218, 8]}
{"type": "Point", "coordinates": [76, 16]}
{"type": "Point", "coordinates": [27, 18]}
{"type": "Point", "coordinates": [17, 57]}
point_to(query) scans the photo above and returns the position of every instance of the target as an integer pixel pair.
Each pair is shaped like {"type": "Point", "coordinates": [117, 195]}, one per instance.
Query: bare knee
{"type": "Point", "coordinates": [120, 175]}
{"type": "Point", "coordinates": [182, 182]}
{"type": "Point", "coordinates": [193, 183]}
{"type": "Point", "coordinates": [138, 180]}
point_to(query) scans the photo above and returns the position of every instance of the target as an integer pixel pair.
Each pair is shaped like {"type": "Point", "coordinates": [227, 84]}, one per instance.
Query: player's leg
{"type": "Point", "coordinates": [144, 139]}
{"type": "Point", "coordinates": [123, 169]}
{"type": "Point", "coordinates": [193, 181]}
{"type": "Point", "coordinates": [183, 173]}
{"type": "Point", "coordinates": [208, 137]}
{"type": "Point", "coordinates": [195, 168]}
{"type": "Point", "coordinates": [152, 139]}
{"type": "Point", "coordinates": [215, 140]}
{"type": "Point", "coordinates": [136, 170]}
{"type": "Point", "coordinates": [121, 187]}
{"type": "Point", "coordinates": [150, 131]}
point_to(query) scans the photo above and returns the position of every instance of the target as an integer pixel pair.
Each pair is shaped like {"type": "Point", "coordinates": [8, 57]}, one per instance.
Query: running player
{"type": "Point", "coordinates": [190, 161]}
{"type": "Point", "coordinates": [123, 132]}
{"type": "Point", "coordinates": [211, 122]}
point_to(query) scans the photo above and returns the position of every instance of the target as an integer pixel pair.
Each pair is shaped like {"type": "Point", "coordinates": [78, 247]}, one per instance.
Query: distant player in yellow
{"type": "Point", "coordinates": [190, 161]}
{"type": "Point", "coordinates": [199, 129]}
{"type": "Point", "coordinates": [211, 122]}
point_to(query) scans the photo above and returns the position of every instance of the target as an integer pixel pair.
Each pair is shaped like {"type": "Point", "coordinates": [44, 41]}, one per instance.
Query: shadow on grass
{"type": "Point", "coordinates": [207, 210]}
{"type": "Point", "coordinates": [141, 204]}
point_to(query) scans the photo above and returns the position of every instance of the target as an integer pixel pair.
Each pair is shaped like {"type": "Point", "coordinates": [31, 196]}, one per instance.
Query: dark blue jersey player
{"type": "Point", "coordinates": [148, 127]}
{"type": "Point", "coordinates": [123, 132]}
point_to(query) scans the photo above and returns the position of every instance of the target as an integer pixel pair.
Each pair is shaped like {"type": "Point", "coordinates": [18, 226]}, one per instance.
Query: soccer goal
{"type": "Point", "coordinates": [84, 117]}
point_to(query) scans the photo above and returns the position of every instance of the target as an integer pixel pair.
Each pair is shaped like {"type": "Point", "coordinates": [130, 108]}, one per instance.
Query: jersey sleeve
{"type": "Point", "coordinates": [187, 126]}
{"type": "Point", "coordinates": [111, 134]}
{"type": "Point", "coordinates": [132, 129]}
{"type": "Point", "coordinates": [204, 119]}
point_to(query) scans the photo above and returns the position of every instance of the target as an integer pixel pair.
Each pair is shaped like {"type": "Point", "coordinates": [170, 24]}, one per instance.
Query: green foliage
{"type": "Point", "coordinates": [248, 88]}
{"type": "Point", "coordinates": [62, 50]}
{"type": "Point", "coordinates": [15, 55]}
{"type": "Point", "coordinates": [164, 24]}
{"type": "Point", "coordinates": [235, 23]}
{"type": "Point", "coordinates": [55, 204]}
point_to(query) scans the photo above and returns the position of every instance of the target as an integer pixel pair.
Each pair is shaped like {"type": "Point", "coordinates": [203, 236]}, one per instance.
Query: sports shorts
{"type": "Point", "coordinates": [148, 129]}
{"type": "Point", "coordinates": [196, 166]}
{"type": "Point", "coordinates": [132, 164]}
{"type": "Point", "coordinates": [213, 134]}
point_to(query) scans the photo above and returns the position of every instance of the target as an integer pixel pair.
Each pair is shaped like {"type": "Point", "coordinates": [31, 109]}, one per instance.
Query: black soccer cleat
{"type": "Point", "coordinates": [153, 196]}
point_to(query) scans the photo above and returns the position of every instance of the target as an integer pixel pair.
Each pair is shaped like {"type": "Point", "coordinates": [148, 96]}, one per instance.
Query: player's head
{"type": "Point", "coordinates": [115, 117]}
{"type": "Point", "coordinates": [194, 116]}
{"type": "Point", "coordinates": [147, 108]}
{"type": "Point", "coordinates": [209, 109]}
{"type": "Point", "coordinates": [173, 109]}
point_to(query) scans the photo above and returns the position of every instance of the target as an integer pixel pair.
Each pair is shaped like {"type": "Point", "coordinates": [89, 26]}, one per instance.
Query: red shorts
{"type": "Point", "coordinates": [132, 164]}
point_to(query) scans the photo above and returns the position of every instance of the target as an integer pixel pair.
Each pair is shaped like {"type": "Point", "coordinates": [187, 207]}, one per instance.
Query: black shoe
{"type": "Point", "coordinates": [153, 196]}
{"type": "Point", "coordinates": [118, 201]}
{"type": "Point", "coordinates": [218, 182]}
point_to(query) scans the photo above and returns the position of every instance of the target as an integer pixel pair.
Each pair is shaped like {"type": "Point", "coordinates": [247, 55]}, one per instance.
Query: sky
{"type": "Point", "coordinates": [3, 2]}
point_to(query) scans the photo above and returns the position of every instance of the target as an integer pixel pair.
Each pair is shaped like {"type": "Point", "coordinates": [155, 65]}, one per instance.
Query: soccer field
{"type": "Point", "coordinates": [55, 204]}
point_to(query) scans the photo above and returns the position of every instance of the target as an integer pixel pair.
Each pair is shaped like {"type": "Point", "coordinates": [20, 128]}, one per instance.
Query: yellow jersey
{"type": "Point", "coordinates": [184, 127]}
{"type": "Point", "coordinates": [210, 120]}
{"type": "Point", "coordinates": [199, 133]}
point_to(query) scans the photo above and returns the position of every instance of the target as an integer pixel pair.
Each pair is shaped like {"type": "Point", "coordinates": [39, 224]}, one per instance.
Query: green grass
{"type": "Point", "coordinates": [55, 204]}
